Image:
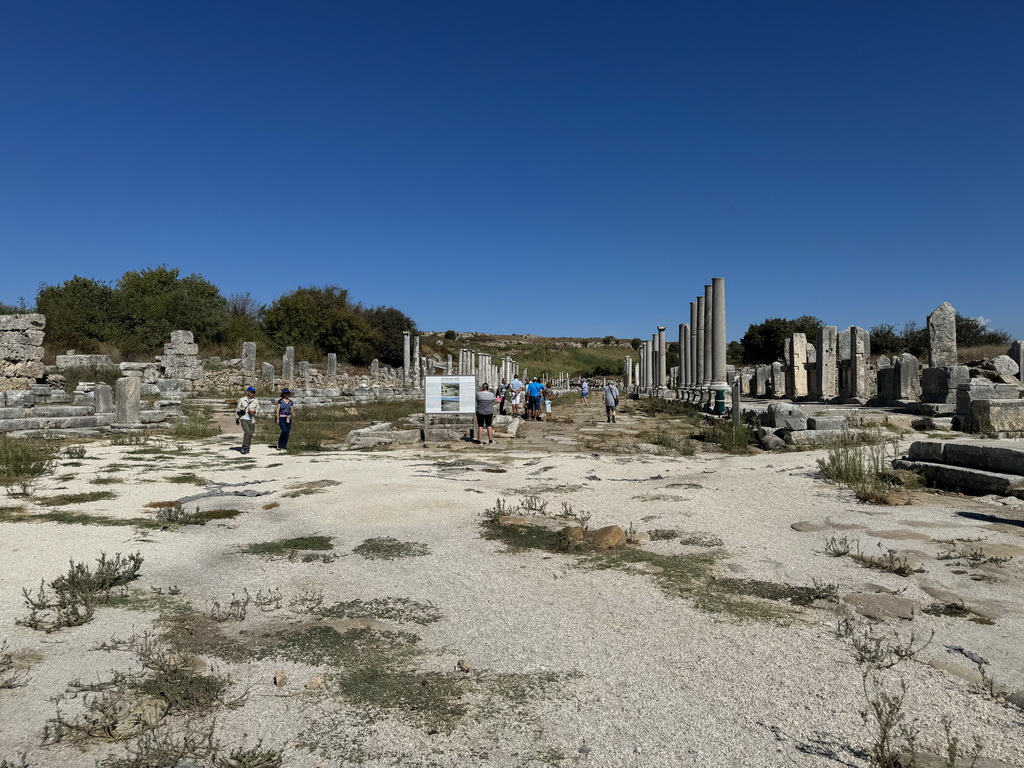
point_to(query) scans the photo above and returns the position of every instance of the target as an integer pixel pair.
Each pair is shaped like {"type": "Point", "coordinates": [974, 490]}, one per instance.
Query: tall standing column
{"type": "Point", "coordinates": [684, 355]}
{"type": "Point", "coordinates": [655, 365]}
{"type": "Point", "coordinates": [662, 358]}
{"type": "Point", "coordinates": [709, 300]}
{"type": "Point", "coordinates": [648, 364]}
{"type": "Point", "coordinates": [699, 378]}
{"type": "Point", "coordinates": [406, 359]}
{"type": "Point", "coordinates": [718, 334]}
{"type": "Point", "coordinates": [416, 368]}
{"type": "Point", "coordinates": [693, 344]}
{"type": "Point", "coordinates": [627, 374]}
{"type": "Point", "coordinates": [642, 353]}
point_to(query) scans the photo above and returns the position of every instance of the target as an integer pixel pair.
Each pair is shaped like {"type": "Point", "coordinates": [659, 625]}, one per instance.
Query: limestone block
{"type": "Point", "coordinates": [908, 377]}
{"type": "Point", "coordinates": [965, 479]}
{"type": "Point", "coordinates": [19, 352]}
{"type": "Point", "coordinates": [83, 361]}
{"type": "Point", "coordinates": [942, 336]}
{"type": "Point", "coordinates": [785, 416]}
{"type": "Point", "coordinates": [1016, 354]}
{"type": "Point", "coordinates": [181, 337]}
{"type": "Point", "coordinates": [1004, 365]}
{"type": "Point", "coordinates": [103, 398]}
{"type": "Point", "coordinates": [1001, 417]}
{"type": "Point", "coordinates": [843, 345]}
{"type": "Point", "coordinates": [14, 383]}
{"type": "Point", "coordinates": [980, 455]}
{"type": "Point", "coordinates": [185, 350]}
{"type": "Point", "coordinates": [882, 362]}
{"type": "Point", "coordinates": [249, 358]}
{"type": "Point", "coordinates": [826, 422]}
{"type": "Point", "coordinates": [939, 385]}
{"type": "Point", "coordinates": [927, 450]}
{"type": "Point", "coordinates": [127, 400]}
{"type": "Point", "coordinates": [28, 370]}
{"type": "Point", "coordinates": [813, 437]}
{"type": "Point", "coordinates": [172, 385]}
{"type": "Point", "coordinates": [22, 322]}
{"type": "Point", "coordinates": [886, 384]}
{"type": "Point", "coordinates": [20, 399]}
{"type": "Point", "coordinates": [14, 413]}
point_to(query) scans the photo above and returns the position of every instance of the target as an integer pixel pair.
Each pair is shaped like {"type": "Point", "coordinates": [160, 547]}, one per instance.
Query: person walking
{"type": "Point", "coordinates": [611, 401]}
{"type": "Point", "coordinates": [516, 395]}
{"type": "Point", "coordinates": [245, 416]}
{"type": "Point", "coordinates": [485, 414]}
{"type": "Point", "coordinates": [584, 392]}
{"type": "Point", "coordinates": [548, 394]}
{"type": "Point", "coordinates": [283, 414]}
{"type": "Point", "coordinates": [501, 396]}
{"type": "Point", "coordinates": [533, 394]}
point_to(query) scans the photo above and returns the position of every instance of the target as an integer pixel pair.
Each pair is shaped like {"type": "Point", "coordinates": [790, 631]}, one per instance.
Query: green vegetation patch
{"type": "Point", "coordinates": [400, 609]}
{"type": "Point", "coordinates": [106, 481]}
{"type": "Point", "coordinates": [284, 547]}
{"type": "Point", "coordinates": [388, 548]}
{"type": "Point", "coordinates": [187, 478]}
{"type": "Point", "coordinates": [308, 488]}
{"type": "Point", "coordinates": [687, 575]}
{"type": "Point", "coordinates": [23, 462]}
{"type": "Point", "coordinates": [19, 515]}
{"type": "Point", "coordinates": [64, 499]}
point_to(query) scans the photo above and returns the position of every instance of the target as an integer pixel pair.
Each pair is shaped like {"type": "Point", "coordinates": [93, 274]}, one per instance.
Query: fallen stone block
{"type": "Point", "coordinates": [980, 455]}
{"type": "Point", "coordinates": [826, 422]}
{"type": "Point", "coordinates": [977, 482]}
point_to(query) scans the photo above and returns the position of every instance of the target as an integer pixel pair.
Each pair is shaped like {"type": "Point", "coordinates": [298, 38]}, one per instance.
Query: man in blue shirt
{"type": "Point", "coordinates": [533, 390]}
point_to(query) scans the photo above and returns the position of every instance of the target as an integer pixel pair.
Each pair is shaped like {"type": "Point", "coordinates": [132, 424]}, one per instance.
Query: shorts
{"type": "Point", "coordinates": [547, 406]}
{"type": "Point", "coordinates": [585, 393]}
{"type": "Point", "coordinates": [535, 403]}
{"type": "Point", "coordinates": [484, 419]}
{"type": "Point", "coordinates": [516, 398]}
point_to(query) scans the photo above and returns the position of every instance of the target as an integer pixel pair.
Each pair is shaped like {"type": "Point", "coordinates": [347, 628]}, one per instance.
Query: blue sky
{"type": "Point", "coordinates": [567, 168]}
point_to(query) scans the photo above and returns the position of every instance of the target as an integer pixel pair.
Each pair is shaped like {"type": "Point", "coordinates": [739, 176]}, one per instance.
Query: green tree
{"type": "Point", "coordinates": [972, 332]}
{"type": "Point", "coordinates": [734, 353]}
{"type": "Point", "coordinates": [763, 342]}
{"type": "Point", "coordinates": [886, 341]}
{"type": "Point", "coordinates": [79, 314]}
{"type": "Point", "coordinates": [635, 343]}
{"type": "Point", "coordinates": [321, 320]}
{"type": "Point", "coordinates": [150, 303]}
{"type": "Point", "coordinates": [388, 325]}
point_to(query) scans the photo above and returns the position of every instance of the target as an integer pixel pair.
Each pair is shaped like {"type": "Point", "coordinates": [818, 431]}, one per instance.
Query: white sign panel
{"type": "Point", "coordinates": [450, 394]}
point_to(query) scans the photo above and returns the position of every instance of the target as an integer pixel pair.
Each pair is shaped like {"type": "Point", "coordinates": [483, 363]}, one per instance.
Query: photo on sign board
{"type": "Point", "coordinates": [449, 404]}
{"type": "Point", "coordinates": [450, 390]}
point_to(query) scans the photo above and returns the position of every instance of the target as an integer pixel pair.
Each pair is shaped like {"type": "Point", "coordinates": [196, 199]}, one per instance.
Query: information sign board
{"type": "Point", "coordinates": [450, 394]}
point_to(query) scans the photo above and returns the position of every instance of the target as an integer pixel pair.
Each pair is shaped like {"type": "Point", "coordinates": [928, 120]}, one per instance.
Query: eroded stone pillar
{"type": "Point", "coordinates": [417, 367]}
{"type": "Point", "coordinates": [406, 358]}
{"type": "Point", "coordinates": [627, 373]}
{"type": "Point", "coordinates": [684, 355]}
{"type": "Point", "coordinates": [662, 358]}
{"type": "Point", "coordinates": [128, 400]}
{"type": "Point", "coordinates": [827, 366]}
{"type": "Point", "coordinates": [699, 379]}
{"type": "Point", "coordinates": [288, 366]}
{"type": "Point", "coordinates": [860, 353]}
{"type": "Point", "coordinates": [797, 378]}
{"type": "Point", "coordinates": [249, 361]}
{"type": "Point", "coordinates": [332, 365]}
{"type": "Point", "coordinates": [648, 364]}
{"type": "Point", "coordinates": [942, 336]}
{"type": "Point", "coordinates": [103, 398]}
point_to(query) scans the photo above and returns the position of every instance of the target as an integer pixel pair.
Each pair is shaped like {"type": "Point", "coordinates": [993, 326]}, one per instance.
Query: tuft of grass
{"type": "Point", "coordinates": [284, 547]}
{"type": "Point", "coordinates": [665, 439]}
{"type": "Point", "coordinates": [64, 499]}
{"type": "Point", "coordinates": [106, 481]}
{"type": "Point", "coordinates": [24, 462]}
{"type": "Point", "coordinates": [888, 560]}
{"type": "Point", "coordinates": [308, 488]}
{"type": "Point", "coordinates": [863, 468]}
{"type": "Point", "coordinates": [198, 424]}
{"type": "Point", "coordinates": [18, 515]}
{"type": "Point", "coordinates": [388, 548]}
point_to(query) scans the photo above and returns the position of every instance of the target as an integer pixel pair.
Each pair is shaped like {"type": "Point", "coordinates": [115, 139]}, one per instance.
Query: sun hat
{"type": "Point", "coordinates": [286, 391]}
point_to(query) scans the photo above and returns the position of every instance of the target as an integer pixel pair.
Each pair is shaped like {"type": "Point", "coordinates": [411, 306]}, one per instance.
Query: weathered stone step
{"type": "Point", "coordinates": [965, 479]}
{"type": "Point", "coordinates": [66, 422]}
{"type": "Point", "coordinates": [974, 454]}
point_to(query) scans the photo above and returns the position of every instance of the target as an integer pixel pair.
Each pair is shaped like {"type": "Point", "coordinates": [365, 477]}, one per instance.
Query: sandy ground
{"type": "Point", "coordinates": [638, 677]}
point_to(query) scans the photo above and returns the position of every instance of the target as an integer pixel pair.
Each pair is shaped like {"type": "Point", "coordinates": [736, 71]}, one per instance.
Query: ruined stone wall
{"type": "Point", "coordinates": [21, 351]}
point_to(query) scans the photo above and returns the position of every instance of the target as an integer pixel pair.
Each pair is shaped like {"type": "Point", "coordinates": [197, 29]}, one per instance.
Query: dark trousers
{"type": "Point", "coordinates": [248, 428]}
{"type": "Point", "coordinates": [286, 430]}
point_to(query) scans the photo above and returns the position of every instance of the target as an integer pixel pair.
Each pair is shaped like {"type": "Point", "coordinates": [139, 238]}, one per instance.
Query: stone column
{"type": "Point", "coordinates": [128, 400]}
{"type": "Point", "coordinates": [655, 366]}
{"type": "Point", "coordinates": [627, 373]}
{"type": "Point", "coordinates": [709, 299]}
{"type": "Point", "coordinates": [304, 375]}
{"type": "Point", "coordinates": [693, 344]}
{"type": "Point", "coordinates": [288, 366]}
{"type": "Point", "coordinates": [662, 358]}
{"type": "Point", "coordinates": [828, 368]}
{"type": "Point", "coordinates": [249, 361]}
{"type": "Point", "coordinates": [267, 371]}
{"type": "Point", "coordinates": [942, 336]}
{"type": "Point", "coordinates": [648, 364]}
{"type": "Point", "coordinates": [796, 385]}
{"type": "Point", "coordinates": [699, 378]}
{"type": "Point", "coordinates": [684, 355]}
{"type": "Point", "coordinates": [332, 365]}
{"type": "Point", "coordinates": [416, 367]}
{"type": "Point", "coordinates": [406, 358]}
{"type": "Point", "coordinates": [718, 342]}
{"type": "Point", "coordinates": [908, 377]}
{"type": "Point", "coordinates": [1016, 353]}
{"type": "Point", "coordinates": [448, 366]}
{"type": "Point", "coordinates": [860, 352]}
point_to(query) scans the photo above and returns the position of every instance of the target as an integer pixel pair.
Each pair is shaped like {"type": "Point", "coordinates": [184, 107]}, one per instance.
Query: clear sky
{"type": "Point", "coordinates": [559, 168]}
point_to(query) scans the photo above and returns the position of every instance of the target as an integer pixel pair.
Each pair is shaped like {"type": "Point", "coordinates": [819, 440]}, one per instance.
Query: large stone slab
{"type": "Point", "coordinates": [965, 479]}
{"type": "Point", "coordinates": [1002, 418]}
{"type": "Point", "coordinates": [785, 416]}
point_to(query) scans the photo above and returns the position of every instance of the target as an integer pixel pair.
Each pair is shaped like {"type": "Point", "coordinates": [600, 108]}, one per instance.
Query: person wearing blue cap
{"type": "Point", "coordinates": [245, 415]}
{"type": "Point", "coordinates": [284, 412]}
